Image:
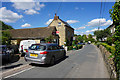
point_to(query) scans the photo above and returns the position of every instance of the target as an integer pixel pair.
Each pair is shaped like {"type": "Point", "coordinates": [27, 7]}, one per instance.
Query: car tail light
{"type": "Point", "coordinates": [21, 46]}
{"type": "Point", "coordinates": [45, 52]}
{"type": "Point", "coordinates": [26, 50]}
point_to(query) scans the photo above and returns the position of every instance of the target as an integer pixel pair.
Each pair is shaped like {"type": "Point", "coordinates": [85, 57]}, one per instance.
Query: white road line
{"type": "Point", "coordinates": [19, 72]}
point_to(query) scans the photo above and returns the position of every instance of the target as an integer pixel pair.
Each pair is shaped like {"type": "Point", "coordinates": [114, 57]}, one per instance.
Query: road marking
{"type": "Point", "coordinates": [19, 72]}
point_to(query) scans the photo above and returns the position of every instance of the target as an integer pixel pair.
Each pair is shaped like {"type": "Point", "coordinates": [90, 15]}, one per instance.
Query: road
{"type": "Point", "coordinates": [84, 63]}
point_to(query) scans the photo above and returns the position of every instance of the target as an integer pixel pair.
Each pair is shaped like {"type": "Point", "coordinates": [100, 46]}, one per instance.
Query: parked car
{"type": "Point", "coordinates": [44, 53]}
{"type": "Point", "coordinates": [89, 42]}
{"type": "Point", "coordinates": [24, 45]}
{"type": "Point", "coordinates": [6, 53]}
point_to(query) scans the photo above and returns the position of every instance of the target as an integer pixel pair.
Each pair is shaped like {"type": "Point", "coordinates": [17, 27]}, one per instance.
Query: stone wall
{"type": "Point", "coordinates": [108, 61]}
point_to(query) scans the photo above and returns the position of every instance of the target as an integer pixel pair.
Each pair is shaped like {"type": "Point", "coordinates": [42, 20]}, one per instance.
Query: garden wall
{"type": "Point", "coordinates": [108, 61]}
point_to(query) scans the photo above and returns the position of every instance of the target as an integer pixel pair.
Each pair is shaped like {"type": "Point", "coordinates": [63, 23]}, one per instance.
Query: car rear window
{"type": "Point", "coordinates": [38, 47]}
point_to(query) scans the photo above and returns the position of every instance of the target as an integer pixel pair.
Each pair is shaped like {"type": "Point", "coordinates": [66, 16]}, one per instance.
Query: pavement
{"type": "Point", "coordinates": [84, 63]}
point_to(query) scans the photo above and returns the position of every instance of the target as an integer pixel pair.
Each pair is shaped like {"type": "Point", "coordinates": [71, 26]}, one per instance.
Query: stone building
{"type": "Point", "coordinates": [58, 28]}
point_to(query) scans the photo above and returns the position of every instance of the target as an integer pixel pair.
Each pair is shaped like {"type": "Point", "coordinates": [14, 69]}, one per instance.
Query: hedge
{"type": "Point", "coordinates": [74, 47]}
{"type": "Point", "coordinates": [111, 49]}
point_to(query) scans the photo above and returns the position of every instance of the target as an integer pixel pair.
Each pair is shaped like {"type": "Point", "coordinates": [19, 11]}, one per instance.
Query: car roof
{"type": "Point", "coordinates": [2, 45]}
{"type": "Point", "coordinates": [48, 44]}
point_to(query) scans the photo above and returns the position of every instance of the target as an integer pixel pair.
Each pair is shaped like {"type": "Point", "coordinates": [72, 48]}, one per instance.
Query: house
{"type": "Point", "coordinates": [65, 31]}
{"type": "Point", "coordinates": [59, 29]}
{"type": "Point", "coordinates": [112, 29]}
{"type": "Point", "coordinates": [37, 34]}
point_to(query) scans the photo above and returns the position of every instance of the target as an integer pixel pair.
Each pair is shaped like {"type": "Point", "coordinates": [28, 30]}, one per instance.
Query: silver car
{"type": "Point", "coordinates": [44, 53]}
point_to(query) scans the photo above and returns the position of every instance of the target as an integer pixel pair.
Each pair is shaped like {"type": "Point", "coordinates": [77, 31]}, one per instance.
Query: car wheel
{"type": "Point", "coordinates": [52, 61]}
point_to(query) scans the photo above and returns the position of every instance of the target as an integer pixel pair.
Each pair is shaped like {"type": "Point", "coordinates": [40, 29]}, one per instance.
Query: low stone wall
{"type": "Point", "coordinates": [108, 61]}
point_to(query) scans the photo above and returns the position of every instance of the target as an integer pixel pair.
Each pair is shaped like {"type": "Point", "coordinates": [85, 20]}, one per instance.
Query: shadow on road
{"type": "Point", "coordinates": [13, 59]}
{"type": "Point", "coordinates": [46, 65]}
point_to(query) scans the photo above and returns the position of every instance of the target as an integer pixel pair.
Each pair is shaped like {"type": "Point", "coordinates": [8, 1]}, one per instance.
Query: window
{"type": "Point", "coordinates": [38, 47]}
{"type": "Point", "coordinates": [59, 23]}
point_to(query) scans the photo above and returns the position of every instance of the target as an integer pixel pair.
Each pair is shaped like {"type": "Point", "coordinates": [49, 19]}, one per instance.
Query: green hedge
{"type": "Point", "coordinates": [111, 49]}
{"type": "Point", "coordinates": [74, 47]}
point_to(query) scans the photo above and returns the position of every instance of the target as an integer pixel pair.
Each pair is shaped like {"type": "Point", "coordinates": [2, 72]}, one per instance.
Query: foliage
{"type": "Point", "coordinates": [4, 26]}
{"type": "Point", "coordinates": [101, 34]}
{"type": "Point", "coordinates": [115, 15]}
{"type": "Point", "coordinates": [85, 38]}
{"type": "Point", "coordinates": [90, 38]}
{"type": "Point", "coordinates": [6, 38]}
{"type": "Point", "coordinates": [75, 47]}
{"type": "Point", "coordinates": [79, 38]}
{"type": "Point", "coordinates": [110, 40]}
{"type": "Point", "coordinates": [67, 42]}
{"type": "Point", "coordinates": [49, 39]}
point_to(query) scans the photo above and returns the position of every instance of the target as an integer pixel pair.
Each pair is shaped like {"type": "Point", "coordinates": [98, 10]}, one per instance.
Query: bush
{"type": "Point", "coordinates": [109, 40]}
{"type": "Point", "coordinates": [70, 47]}
{"type": "Point", "coordinates": [79, 46]}
{"type": "Point", "coordinates": [111, 49]}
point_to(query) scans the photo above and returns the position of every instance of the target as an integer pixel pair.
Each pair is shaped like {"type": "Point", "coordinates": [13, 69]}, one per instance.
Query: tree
{"type": "Point", "coordinates": [90, 38]}
{"type": "Point", "coordinates": [5, 37]}
{"type": "Point", "coordinates": [85, 38]}
{"type": "Point", "coordinates": [49, 39]}
{"type": "Point", "coordinates": [101, 34]}
{"type": "Point", "coordinates": [4, 26]}
{"type": "Point", "coordinates": [115, 15]}
{"type": "Point", "coordinates": [79, 38]}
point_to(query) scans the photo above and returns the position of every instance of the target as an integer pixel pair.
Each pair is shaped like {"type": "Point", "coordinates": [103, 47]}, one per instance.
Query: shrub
{"type": "Point", "coordinates": [111, 49]}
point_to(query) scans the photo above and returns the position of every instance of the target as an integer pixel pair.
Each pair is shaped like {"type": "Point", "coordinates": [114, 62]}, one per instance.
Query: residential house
{"type": "Point", "coordinates": [112, 29]}
{"type": "Point", "coordinates": [58, 28]}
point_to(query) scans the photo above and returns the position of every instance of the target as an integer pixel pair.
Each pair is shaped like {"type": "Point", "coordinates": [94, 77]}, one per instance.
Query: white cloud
{"type": "Point", "coordinates": [26, 25]}
{"type": "Point", "coordinates": [29, 7]}
{"type": "Point", "coordinates": [88, 31]}
{"type": "Point", "coordinates": [99, 22]}
{"type": "Point", "coordinates": [8, 15]}
{"type": "Point", "coordinates": [76, 8]}
{"type": "Point", "coordinates": [72, 21]}
{"type": "Point", "coordinates": [109, 22]}
{"type": "Point", "coordinates": [80, 28]}
{"type": "Point", "coordinates": [31, 11]}
{"type": "Point", "coordinates": [49, 21]}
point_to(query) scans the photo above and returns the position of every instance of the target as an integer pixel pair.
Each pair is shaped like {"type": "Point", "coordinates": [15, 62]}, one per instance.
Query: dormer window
{"type": "Point", "coordinates": [59, 23]}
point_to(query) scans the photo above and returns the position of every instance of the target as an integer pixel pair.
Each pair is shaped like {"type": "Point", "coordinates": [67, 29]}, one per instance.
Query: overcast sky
{"type": "Point", "coordinates": [84, 17]}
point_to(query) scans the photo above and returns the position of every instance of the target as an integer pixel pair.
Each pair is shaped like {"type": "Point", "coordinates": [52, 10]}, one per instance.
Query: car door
{"type": "Point", "coordinates": [56, 51]}
{"type": "Point", "coordinates": [61, 51]}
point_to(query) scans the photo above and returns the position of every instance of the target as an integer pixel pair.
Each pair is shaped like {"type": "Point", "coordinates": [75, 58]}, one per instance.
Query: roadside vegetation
{"type": "Point", "coordinates": [112, 42]}
{"type": "Point", "coordinates": [5, 37]}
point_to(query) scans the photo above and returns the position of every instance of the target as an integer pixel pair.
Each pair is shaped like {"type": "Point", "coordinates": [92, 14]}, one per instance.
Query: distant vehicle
{"type": "Point", "coordinates": [6, 52]}
{"type": "Point", "coordinates": [24, 45]}
{"type": "Point", "coordinates": [44, 53]}
{"type": "Point", "coordinates": [80, 43]}
{"type": "Point", "coordinates": [89, 42]}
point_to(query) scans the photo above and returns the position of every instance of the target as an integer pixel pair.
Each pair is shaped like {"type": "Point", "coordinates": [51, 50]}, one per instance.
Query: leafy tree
{"type": "Point", "coordinates": [5, 37]}
{"type": "Point", "coordinates": [67, 42]}
{"type": "Point", "coordinates": [90, 38]}
{"type": "Point", "coordinates": [101, 34]}
{"type": "Point", "coordinates": [115, 15]}
{"type": "Point", "coordinates": [49, 39]}
{"type": "Point", "coordinates": [79, 38]}
{"type": "Point", "coordinates": [85, 38]}
{"type": "Point", "coordinates": [4, 26]}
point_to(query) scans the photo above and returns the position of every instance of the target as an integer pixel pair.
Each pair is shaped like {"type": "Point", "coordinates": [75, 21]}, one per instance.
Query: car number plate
{"type": "Point", "coordinates": [33, 55]}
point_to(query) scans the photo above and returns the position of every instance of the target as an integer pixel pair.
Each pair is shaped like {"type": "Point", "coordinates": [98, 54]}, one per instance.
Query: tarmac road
{"type": "Point", "coordinates": [84, 63]}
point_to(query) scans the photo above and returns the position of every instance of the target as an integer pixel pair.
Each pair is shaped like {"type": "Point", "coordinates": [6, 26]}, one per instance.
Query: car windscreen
{"type": "Point", "coordinates": [38, 47]}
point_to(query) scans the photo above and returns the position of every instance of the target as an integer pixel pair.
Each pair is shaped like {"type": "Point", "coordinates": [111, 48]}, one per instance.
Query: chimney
{"type": "Point", "coordinates": [56, 17]}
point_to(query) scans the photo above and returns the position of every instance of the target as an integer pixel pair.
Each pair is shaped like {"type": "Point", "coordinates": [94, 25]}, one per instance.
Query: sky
{"type": "Point", "coordinates": [84, 17]}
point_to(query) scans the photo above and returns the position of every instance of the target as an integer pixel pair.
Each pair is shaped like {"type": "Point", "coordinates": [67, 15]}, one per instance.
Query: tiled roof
{"type": "Point", "coordinates": [41, 32]}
